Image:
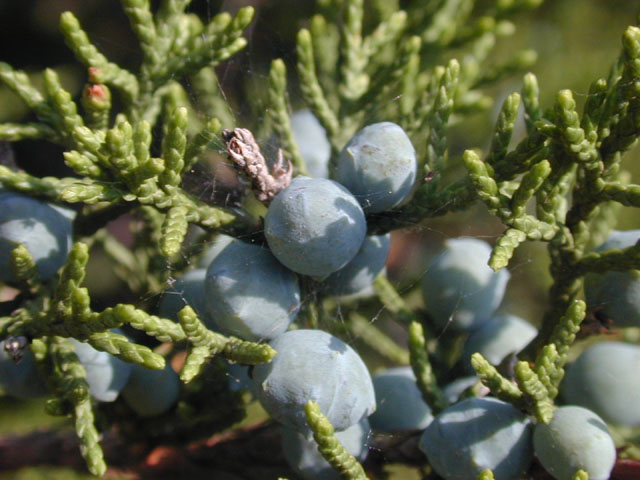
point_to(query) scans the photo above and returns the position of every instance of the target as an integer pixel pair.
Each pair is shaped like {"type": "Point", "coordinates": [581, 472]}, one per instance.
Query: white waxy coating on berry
{"type": "Point", "coordinates": [249, 294]}
{"type": "Point", "coordinates": [459, 288]}
{"type": "Point", "coordinates": [575, 439]}
{"type": "Point", "coordinates": [312, 141]}
{"type": "Point", "coordinates": [106, 374]}
{"type": "Point", "coordinates": [151, 392]}
{"type": "Point", "coordinates": [214, 249]}
{"type": "Point", "coordinates": [453, 390]}
{"type": "Point", "coordinates": [314, 365]}
{"type": "Point", "coordinates": [314, 226]}
{"type": "Point", "coordinates": [616, 294]}
{"type": "Point", "coordinates": [497, 338]}
{"type": "Point", "coordinates": [303, 456]}
{"type": "Point", "coordinates": [399, 403]}
{"type": "Point", "coordinates": [605, 379]}
{"type": "Point", "coordinates": [476, 434]}
{"type": "Point", "coordinates": [378, 165]}
{"type": "Point", "coordinates": [44, 229]}
{"type": "Point", "coordinates": [360, 272]}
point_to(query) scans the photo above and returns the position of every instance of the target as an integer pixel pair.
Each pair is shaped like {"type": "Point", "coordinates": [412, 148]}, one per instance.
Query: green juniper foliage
{"type": "Point", "coordinates": [131, 138]}
{"type": "Point", "coordinates": [329, 446]}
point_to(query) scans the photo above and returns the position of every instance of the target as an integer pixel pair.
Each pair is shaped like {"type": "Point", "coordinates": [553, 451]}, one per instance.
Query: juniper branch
{"type": "Point", "coordinates": [329, 447]}
{"type": "Point", "coordinates": [422, 369]}
{"type": "Point", "coordinates": [279, 114]}
{"type": "Point", "coordinates": [102, 70]}
{"type": "Point", "coordinates": [499, 385]}
{"type": "Point", "coordinates": [70, 381]}
{"type": "Point", "coordinates": [312, 91]}
{"type": "Point", "coordinates": [535, 393]}
{"type": "Point", "coordinates": [207, 344]}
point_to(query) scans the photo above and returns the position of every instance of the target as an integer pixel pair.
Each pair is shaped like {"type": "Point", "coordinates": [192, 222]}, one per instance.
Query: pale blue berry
{"type": "Point", "coordinates": [314, 365]}
{"type": "Point", "coordinates": [605, 379]}
{"type": "Point", "coordinates": [186, 290]}
{"type": "Point", "coordinates": [44, 229]}
{"type": "Point", "coordinates": [575, 439]}
{"type": "Point", "coordinates": [151, 392]}
{"type": "Point", "coordinates": [459, 288]}
{"type": "Point", "coordinates": [362, 270]}
{"type": "Point", "coordinates": [106, 374]}
{"type": "Point", "coordinates": [497, 338]}
{"type": "Point", "coordinates": [399, 403]}
{"type": "Point", "coordinates": [476, 434]}
{"type": "Point", "coordinates": [21, 379]}
{"type": "Point", "coordinates": [239, 378]}
{"type": "Point", "coordinates": [214, 249]}
{"type": "Point", "coordinates": [314, 226]}
{"type": "Point", "coordinates": [616, 294]}
{"type": "Point", "coordinates": [312, 141]}
{"type": "Point", "coordinates": [303, 456]}
{"type": "Point", "coordinates": [249, 294]}
{"type": "Point", "coordinates": [378, 165]}
{"type": "Point", "coordinates": [453, 390]}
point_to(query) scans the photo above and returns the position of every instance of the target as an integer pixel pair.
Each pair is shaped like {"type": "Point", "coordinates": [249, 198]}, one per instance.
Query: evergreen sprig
{"type": "Point", "coordinates": [329, 447]}
{"type": "Point", "coordinates": [279, 114]}
{"type": "Point", "coordinates": [536, 387]}
{"type": "Point", "coordinates": [549, 369]}
{"type": "Point", "coordinates": [500, 386]}
{"type": "Point", "coordinates": [67, 313]}
{"type": "Point", "coordinates": [536, 394]}
{"type": "Point", "coordinates": [360, 62]}
{"type": "Point", "coordinates": [561, 184]}
{"type": "Point", "coordinates": [115, 163]}
{"type": "Point", "coordinates": [24, 267]}
{"type": "Point", "coordinates": [422, 369]}
{"type": "Point", "coordinates": [206, 344]}
{"type": "Point", "coordinates": [69, 380]}
{"type": "Point", "coordinates": [485, 475]}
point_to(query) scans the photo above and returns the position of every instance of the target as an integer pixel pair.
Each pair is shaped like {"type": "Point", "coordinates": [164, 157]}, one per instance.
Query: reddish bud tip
{"type": "Point", "coordinates": [97, 92]}
{"type": "Point", "coordinates": [94, 74]}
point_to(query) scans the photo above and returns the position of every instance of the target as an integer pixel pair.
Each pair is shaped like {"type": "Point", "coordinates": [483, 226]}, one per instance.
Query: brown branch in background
{"type": "Point", "coordinates": [244, 152]}
{"type": "Point", "coordinates": [247, 453]}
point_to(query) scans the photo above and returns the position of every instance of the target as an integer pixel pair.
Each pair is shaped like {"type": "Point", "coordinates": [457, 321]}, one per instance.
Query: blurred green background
{"type": "Point", "coordinates": [576, 41]}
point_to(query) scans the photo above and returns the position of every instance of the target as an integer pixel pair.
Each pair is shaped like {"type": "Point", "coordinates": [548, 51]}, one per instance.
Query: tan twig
{"type": "Point", "coordinates": [244, 152]}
